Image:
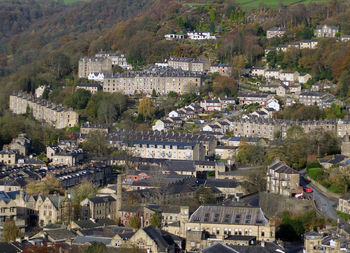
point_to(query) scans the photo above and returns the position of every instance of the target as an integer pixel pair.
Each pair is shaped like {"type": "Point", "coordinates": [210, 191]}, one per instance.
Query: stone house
{"type": "Point", "coordinates": [21, 145]}
{"type": "Point", "coordinates": [344, 204]}
{"type": "Point", "coordinates": [326, 31]}
{"type": "Point", "coordinates": [98, 208]}
{"type": "Point", "coordinates": [92, 87]}
{"type": "Point", "coordinates": [222, 69]}
{"type": "Point", "coordinates": [281, 179]}
{"type": "Point", "coordinates": [275, 32]}
{"type": "Point", "coordinates": [8, 157]}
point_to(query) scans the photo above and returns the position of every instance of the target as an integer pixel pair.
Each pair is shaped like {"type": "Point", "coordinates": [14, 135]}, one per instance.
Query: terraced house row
{"type": "Point", "coordinates": [272, 129]}
{"type": "Point", "coordinates": [42, 110]}
{"type": "Point", "coordinates": [161, 80]}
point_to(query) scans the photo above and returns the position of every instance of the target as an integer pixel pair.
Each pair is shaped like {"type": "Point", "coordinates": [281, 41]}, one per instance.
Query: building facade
{"type": "Point", "coordinates": [42, 110]}
{"type": "Point", "coordinates": [282, 180]}
{"type": "Point", "coordinates": [162, 81]}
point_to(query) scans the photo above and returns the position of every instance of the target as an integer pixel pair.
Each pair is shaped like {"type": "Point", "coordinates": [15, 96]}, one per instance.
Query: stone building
{"type": "Point", "coordinates": [315, 242]}
{"type": "Point", "coordinates": [189, 64]}
{"type": "Point", "coordinates": [89, 127]}
{"type": "Point", "coordinates": [326, 31]}
{"type": "Point", "coordinates": [94, 65]}
{"type": "Point", "coordinates": [275, 32]}
{"type": "Point", "coordinates": [42, 110]}
{"type": "Point", "coordinates": [8, 157]}
{"type": "Point", "coordinates": [344, 203]}
{"type": "Point", "coordinates": [21, 145]}
{"type": "Point", "coordinates": [221, 222]}
{"type": "Point", "coordinates": [162, 81]}
{"type": "Point", "coordinates": [92, 87]}
{"type": "Point", "coordinates": [345, 146]}
{"type": "Point", "coordinates": [168, 150]}
{"type": "Point", "coordinates": [322, 100]}
{"type": "Point", "coordinates": [281, 179]}
{"type": "Point", "coordinates": [98, 208]}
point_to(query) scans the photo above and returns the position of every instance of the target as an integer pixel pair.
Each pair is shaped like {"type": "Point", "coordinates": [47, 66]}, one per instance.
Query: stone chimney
{"type": "Point", "coordinates": [119, 193]}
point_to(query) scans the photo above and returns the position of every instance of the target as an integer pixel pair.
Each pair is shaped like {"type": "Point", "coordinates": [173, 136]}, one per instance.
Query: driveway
{"type": "Point", "coordinates": [325, 204]}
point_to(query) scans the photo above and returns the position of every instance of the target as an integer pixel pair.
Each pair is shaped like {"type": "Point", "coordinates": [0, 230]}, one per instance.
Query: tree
{"type": "Point", "coordinates": [97, 247]}
{"type": "Point", "coordinates": [79, 99]}
{"type": "Point", "coordinates": [155, 221]}
{"type": "Point", "coordinates": [48, 185]}
{"type": "Point", "coordinates": [135, 222]}
{"type": "Point", "coordinates": [96, 143]}
{"type": "Point", "coordinates": [10, 231]}
{"type": "Point", "coordinates": [82, 191]}
{"type": "Point", "coordinates": [146, 108]}
{"type": "Point", "coordinates": [224, 86]}
{"type": "Point", "coordinates": [250, 154]}
{"type": "Point", "coordinates": [239, 62]}
{"type": "Point", "coordinates": [205, 195]}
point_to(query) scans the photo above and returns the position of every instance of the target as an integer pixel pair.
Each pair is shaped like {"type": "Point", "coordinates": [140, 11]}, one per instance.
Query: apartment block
{"type": "Point", "coordinates": [162, 81]}
{"type": "Point", "coordinates": [42, 110]}
{"type": "Point", "coordinates": [189, 64]}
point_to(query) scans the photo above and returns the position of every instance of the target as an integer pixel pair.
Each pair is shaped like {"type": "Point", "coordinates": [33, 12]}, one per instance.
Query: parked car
{"type": "Point", "coordinates": [301, 197]}
{"type": "Point", "coordinates": [308, 190]}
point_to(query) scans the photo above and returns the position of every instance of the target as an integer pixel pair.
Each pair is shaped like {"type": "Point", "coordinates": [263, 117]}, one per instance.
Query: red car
{"type": "Point", "coordinates": [308, 190]}
{"type": "Point", "coordinates": [301, 197]}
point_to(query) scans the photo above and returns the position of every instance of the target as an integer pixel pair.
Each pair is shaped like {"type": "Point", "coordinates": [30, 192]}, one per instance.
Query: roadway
{"type": "Point", "coordinates": [324, 204]}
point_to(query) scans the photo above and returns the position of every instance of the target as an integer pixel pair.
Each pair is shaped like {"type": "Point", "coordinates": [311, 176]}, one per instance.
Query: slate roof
{"type": "Point", "coordinates": [222, 183]}
{"type": "Point", "coordinates": [268, 248]}
{"type": "Point", "coordinates": [157, 237]}
{"type": "Point", "coordinates": [281, 167]}
{"type": "Point", "coordinates": [9, 248]}
{"type": "Point", "coordinates": [96, 200]}
{"type": "Point", "coordinates": [219, 248]}
{"type": "Point", "coordinates": [229, 215]}
{"type": "Point", "coordinates": [60, 234]}
{"type": "Point", "coordinates": [91, 239]}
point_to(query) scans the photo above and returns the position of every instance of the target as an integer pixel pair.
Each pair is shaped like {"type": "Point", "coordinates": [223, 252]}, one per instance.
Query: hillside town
{"type": "Point", "coordinates": [224, 130]}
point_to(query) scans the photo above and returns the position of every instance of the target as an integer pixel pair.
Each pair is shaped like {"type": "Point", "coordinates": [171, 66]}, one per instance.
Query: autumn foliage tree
{"type": "Point", "coordinates": [224, 86]}
{"type": "Point", "coordinates": [146, 108]}
{"type": "Point", "coordinates": [10, 231]}
{"type": "Point", "coordinates": [48, 185]}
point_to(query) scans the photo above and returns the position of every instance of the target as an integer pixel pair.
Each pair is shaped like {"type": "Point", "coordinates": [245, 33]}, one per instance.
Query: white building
{"type": "Point", "coordinates": [326, 31]}
{"type": "Point", "coordinates": [174, 36]}
{"type": "Point", "coordinates": [200, 36]}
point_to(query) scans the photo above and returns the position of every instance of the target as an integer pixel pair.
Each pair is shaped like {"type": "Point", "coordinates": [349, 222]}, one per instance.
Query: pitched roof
{"type": "Point", "coordinates": [91, 239]}
{"type": "Point", "coordinates": [281, 167]}
{"type": "Point", "coordinates": [60, 234]}
{"type": "Point", "coordinates": [105, 199]}
{"type": "Point", "coordinates": [219, 248]}
{"type": "Point", "coordinates": [156, 237]}
{"type": "Point", "coordinates": [228, 215]}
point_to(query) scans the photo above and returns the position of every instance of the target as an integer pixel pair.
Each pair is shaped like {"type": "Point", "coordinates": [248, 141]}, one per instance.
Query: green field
{"type": "Point", "coordinates": [256, 3]}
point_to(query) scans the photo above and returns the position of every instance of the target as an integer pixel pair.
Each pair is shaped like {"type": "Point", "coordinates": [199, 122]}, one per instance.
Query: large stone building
{"type": "Point", "coordinates": [168, 150]}
{"type": "Point", "coordinates": [326, 31]}
{"type": "Point", "coordinates": [281, 179]}
{"type": "Point", "coordinates": [222, 222]}
{"type": "Point", "coordinates": [102, 63]}
{"type": "Point", "coordinates": [162, 81]}
{"type": "Point", "coordinates": [94, 65]}
{"type": "Point", "coordinates": [42, 110]}
{"type": "Point", "coordinates": [189, 64]}
{"type": "Point", "coordinates": [92, 87]}
{"type": "Point", "coordinates": [322, 100]}
{"type": "Point", "coordinates": [21, 145]}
